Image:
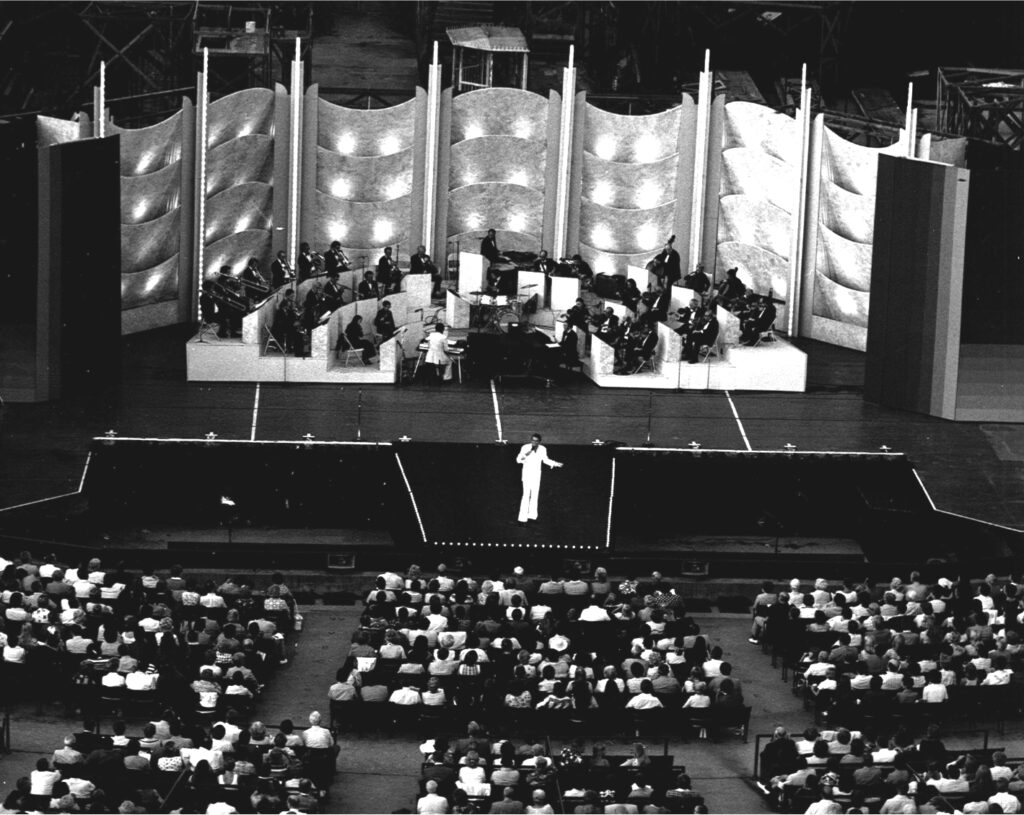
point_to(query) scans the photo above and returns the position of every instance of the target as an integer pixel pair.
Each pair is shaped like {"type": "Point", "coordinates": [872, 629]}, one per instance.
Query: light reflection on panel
{"type": "Point", "coordinates": [147, 197]}
{"type": "Point", "coordinates": [146, 245]}
{"type": "Point", "coordinates": [151, 285]}
{"type": "Point", "coordinates": [631, 139]}
{"type": "Point", "coordinates": [495, 206]}
{"type": "Point", "coordinates": [150, 149]}
{"type": "Point", "coordinates": [358, 178]}
{"type": "Point", "coordinates": [235, 251]}
{"type": "Point", "coordinates": [499, 112]}
{"type": "Point", "coordinates": [629, 186]}
{"type": "Point", "coordinates": [354, 132]}
{"type": "Point", "coordinates": [239, 162]}
{"type": "Point", "coordinates": [243, 207]}
{"type": "Point", "coordinates": [245, 113]}
{"type": "Point", "coordinates": [361, 224]}
{"type": "Point", "coordinates": [625, 232]}
{"type": "Point", "coordinates": [497, 159]}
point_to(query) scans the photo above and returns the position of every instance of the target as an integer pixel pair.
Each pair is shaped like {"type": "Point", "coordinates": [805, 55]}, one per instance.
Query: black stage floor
{"type": "Point", "coordinates": [972, 469]}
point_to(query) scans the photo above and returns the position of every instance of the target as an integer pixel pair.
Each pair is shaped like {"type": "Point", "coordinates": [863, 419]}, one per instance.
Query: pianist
{"type": "Point", "coordinates": [437, 353]}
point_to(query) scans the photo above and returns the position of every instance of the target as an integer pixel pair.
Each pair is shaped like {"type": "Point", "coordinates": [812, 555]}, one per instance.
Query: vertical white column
{"type": "Point", "coordinates": [909, 125]}
{"type": "Point", "coordinates": [430, 163]}
{"type": "Point", "coordinates": [204, 104]}
{"type": "Point", "coordinates": [565, 155]}
{"type": "Point", "coordinates": [700, 162]}
{"type": "Point", "coordinates": [295, 156]}
{"type": "Point", "coordinates": [799, 210]}
{"type": "Point", "coordinates": [101, 108]}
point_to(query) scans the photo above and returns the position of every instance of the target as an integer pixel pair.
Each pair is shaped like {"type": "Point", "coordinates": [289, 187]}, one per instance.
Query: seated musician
{"type": "Point", "coordinates": [657, 302]}
{"type": "Point", "coordinates": [286, 324]}
{"type": "Point", "coordinates": [354, 335]}
{"type": "Point", "coordinates": [208, 304]}
{"type": "Point", "coordinates": [688, 316]}
{"type": "Point", "coordinates": [583, 272]}
{"type": "Point", "coordinates": [697, 280]}
{"type": "Point", "coordinates": [369, 289]}
{"type": "Point", "coordinates": [251, 274]}
{"type": "Point", "coordinates": [758, 319]}
{"type": "Point", "coordinates": [627, 333]}
{"type": "Point", "coordinates": [607, 325]}
{"type": "Point", "coordinates": [234, 304]}
{"type": "Point", "coordinates": [384, 322]}
{"type": "Point", "coordinates": [631, 296]}
{"type": "Point", "coordinates": [704, 332]}
{"type": "Point", "coordinates": [313, 308]}
{"type": "Point", "coordinates": [642, 347]}
{"type": "Point", "coordinates": [335, 259]}
{"type": "Point", "coordinates": [543, 263]}
{"type": "Point", "coordinates": [280, 271]}
{"type": "Point", "coordinates": [578, 315]}
{"type": "Point", "coordinates": [489, 247]}
{"type": "Point", "coordinates": [332, 293]}
{"type": "Point", "coordinates": [437, 353]}
{"type": "Point", "coordinates": [388, 275]}
{"type": "Point", "coordinates": [307, 262]}
{"type": "Point", "coordinates": [732, 289]}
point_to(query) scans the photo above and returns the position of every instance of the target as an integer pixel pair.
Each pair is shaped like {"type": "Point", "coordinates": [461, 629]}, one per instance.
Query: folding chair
{"type": "Point", "coordinates": [768, 335]}
{"type": "Point", "coordinates": [712, 350]}
{"type": "Point", "coordinates": [343, 345]}
{"type": "Point", "coordinates": [273, 342]}
{"type": "Point", "coordinates": [207, 328]}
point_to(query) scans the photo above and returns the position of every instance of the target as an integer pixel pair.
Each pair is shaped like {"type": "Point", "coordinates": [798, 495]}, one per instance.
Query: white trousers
{"type": "Point", "coordinates": [528, 505]}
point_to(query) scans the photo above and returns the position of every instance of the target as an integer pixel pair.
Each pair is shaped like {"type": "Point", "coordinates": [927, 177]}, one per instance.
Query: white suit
{"type": "Point", "coordinates": [437, 352]}
{"type": "Point", "coordinates": [532, 460]}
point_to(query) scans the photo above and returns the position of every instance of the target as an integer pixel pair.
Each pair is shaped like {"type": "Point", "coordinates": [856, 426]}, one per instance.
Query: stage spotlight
{"type": "Point", "coordinates": [605, 148]}
{"type": "Point", "coordinates": [885, 448]}
{"type": "Point", "coordinates": [109, 437]}
{"type": "Point", "coordinates": [601, 237]}
{"type": "Point", "coordinates": [474, 131]}
{"type": "Point", "coordinates": [307, 440]}
{"type": "Point", "coordinates": [519, 178]}
{"type": "Point", "coordinates": [152, 283]}
{"type": "Point", "coordinates": [648, 195]}
{"type": "Point", "coordinates": [245, 131]}
{"type": "Point", "coordinates": [211, 437]}
{"type": "Point", "coordinates": [243, 223]}
{"type": "Point", "coordinates": [341, 188]}
{"type": "Point", "coordinates": [517, 222]}
{"type": "Point", "coordinates": [597, 442]}
{"type": "Point", "coordinates": [646, 149]}
{"type": "Point", "coordinates": [382, 230]}
{"type": "Point", "coordinates": [602, 193]}
{"type": "Point", "coordinates": [346, 144]}
{"type": "Point", "coordinates": [473, 221]}
{"type": "Point", "coordinates": [405, 438]}
{"type": "Point", "coordinates": [396, 189]}
{"type": "Point", "coordinates": [647, 237]}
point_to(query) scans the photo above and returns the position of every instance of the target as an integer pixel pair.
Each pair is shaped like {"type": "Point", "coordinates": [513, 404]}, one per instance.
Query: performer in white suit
{"type": "Point", "coordinates": [531, 456]}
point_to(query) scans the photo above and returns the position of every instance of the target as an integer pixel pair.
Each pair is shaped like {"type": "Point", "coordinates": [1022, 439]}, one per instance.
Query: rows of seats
{"type": "Point", "coordinates": [475, 773]}
{"type": "Point", "coordinates": [534, 655]}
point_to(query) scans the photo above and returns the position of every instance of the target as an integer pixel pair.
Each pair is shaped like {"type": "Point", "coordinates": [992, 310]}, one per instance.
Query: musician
{"type": "Point", "coordinates": [583, 271]}
{"type": "Point", "coordinates": [354, 335]}
{"type": "Point", "coordinates": [657, 302]}
{"type": "Point", "coordinates": [231, 289]}
{"type": "Point", "coordinates": [631, 296]}
{"type": "Point", "coordinates": [705, 332]}
{"type": "Point", "coordinates": [333, 297]}
{"type": "Point", "coordinates": [731, 289]}
{"type": "Point", "coordinates": [256, 283]}
{"type": "Point", "coordinates": [761, 318]}
{"type": "Point", "coordinates": [307, 262]}
{"type": "Point", "coordinates": [578, 315]}
{"type": "Point", "coordinates": [312, 308]}
{"type": "Point", "coordinates": [531, 457]}
{"type": "Point", "coordinates": [607, 325]}
{"type": "Point", "coordinates": [543, 263]}
{"type": "Point", "coordinates": [208, 305]}
{"type": "Point", "coordinates": [489, 247]}
{"type": "Point", "coordinates": [388, 275]}
{"type": "Point", "coordinates": [697, 280]}
{"type": "Point", "coordinates": [688, 317]}
{"type": "Point", "coordinates": [280, 271]}
{"type": "Point", "coordinates": [667, 264]}
{"type": "Point", "coordinates": [335, 259]}
{"type": "Point", "coordinates": [369, 289]}
{"type": "Point", "coordinates": [643, 346]}
{"type": "Point", "coordinates": [420, 263]}
{"type": "Point", "coordinates": [437, 353]}
{"type": "Point", "coordinates": [286, 324]}
{"type": "Point", "coordinates": [384, 321]}
{"type": "Point", "coordinates": [570, 346]}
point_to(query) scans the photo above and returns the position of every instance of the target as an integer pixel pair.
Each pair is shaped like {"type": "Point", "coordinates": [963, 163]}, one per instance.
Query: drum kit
{"type": "Point", "coordinates": [495, 312]}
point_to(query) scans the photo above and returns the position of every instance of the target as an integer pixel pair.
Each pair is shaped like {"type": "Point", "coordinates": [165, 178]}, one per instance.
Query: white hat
{"type": "Point", "coordinates": [518, 571]}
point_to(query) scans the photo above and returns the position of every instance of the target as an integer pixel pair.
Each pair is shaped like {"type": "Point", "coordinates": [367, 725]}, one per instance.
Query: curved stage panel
{"type": "Point", "coordinates": [631, 139]}
{"type": "Point", "coordinates": [500, 112]}
{"type": "Point", "coordinates": [244, 113]}
{"type": "Point", "coordinates": [506, 207]}
{"type": "Point", "coordinates": [497, 159]}
{"type": "Point", "coordinates": [155, 285]}
{"type": "Point", "coordinates": [365, 179]}
{"type": "Point", "coordinates": [365, 133]}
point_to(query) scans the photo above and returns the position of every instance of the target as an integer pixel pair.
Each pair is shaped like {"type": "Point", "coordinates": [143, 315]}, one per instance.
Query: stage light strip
{"type": "Point", "coordinates": [81, 486]}
{"type": "Point", "coordinates": [430, 169]}
{"type": "Point", "coordinates": [408, 487]}
{"type": "Point", "coordinates": [101, 106]}
{"type": "Point", "coordinates": [203, 100]}
{"type": "Point", "coordinates": [611, 503]}
{"type": "Point", "coordinates": [866, 454]}
{"type": "Point", "coordinates": [255, 413]}
{"type": "Point", "coordinates": [799, 211]}
{"type": "Point", "coordinates": [294, 139]}
{"type": "Point", "coordinates": [311, 443]}
{"type": "Point", "coordinates": [85, 471]}
{"type": "Point", "coordinates": [489, 545]}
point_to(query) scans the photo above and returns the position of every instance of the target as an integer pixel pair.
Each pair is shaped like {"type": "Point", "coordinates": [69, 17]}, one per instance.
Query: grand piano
{"type": "Point", "coordinates": [523, 352]}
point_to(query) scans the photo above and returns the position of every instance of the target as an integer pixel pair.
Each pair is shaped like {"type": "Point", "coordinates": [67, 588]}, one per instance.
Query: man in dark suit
{"type": "Point", "coordinates": [578, 315]}
{"type": "Point", "coordinates": [354, 335]}
{"type": "Point", "coordinates": [607, 325]}
{"type": "Point", "coordinates": [762, 320]}
{"type": "Point", "coordinates": [307, 266]}
{"type": "Point", "coordinates": [667, 261]}
{"type": "Point", "coordinates": [280, 271]}
{"type": "Point", "coordinates": [570, 346]}
{"type": "Point", "coordinates": [384, 322]}
{"type": "Point", "coordinates": [368, 288]}
{"type": "Point", "coordinates": [704, 333]}
{"type": "Point", "coordinates": [732, 288]}
{"type": "Point", "coordinates": [543, 263]}
{"type": "Point", "coordinates": [697, 280]}
{"type": "Point", "coordinates": [335, 260]}
{"type": "Point", "coordinates": [416, 262]}
{"type": "Point", "coordinates": [489, 247]}
{"type": "Point", "coordinates": [388, 276]}
{"type": "Point", "coordinates": [332, 292]}
{"type": "Point", "coordinates": [687, 317]}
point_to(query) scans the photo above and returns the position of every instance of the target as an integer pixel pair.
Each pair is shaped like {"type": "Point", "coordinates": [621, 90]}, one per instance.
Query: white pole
{"type": "Point", "coordinates": [101, 113]}
{"type": "Point", "coordinates": [564, 156]}
{"type": "Point", "coordinates": [295, 140]}
{"type": "Point", "coordinates": [430, 165]}
{"type": "Point", "coordinates": [700, 163]}
{"type": "Point", "coordinates": [201, 194]}
{"type": "Point", "coordinates": [910, 120]}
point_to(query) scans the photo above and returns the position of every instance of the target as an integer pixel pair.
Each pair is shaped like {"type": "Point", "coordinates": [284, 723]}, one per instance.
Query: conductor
{"type": "Point", "coordinates": [531, 457]}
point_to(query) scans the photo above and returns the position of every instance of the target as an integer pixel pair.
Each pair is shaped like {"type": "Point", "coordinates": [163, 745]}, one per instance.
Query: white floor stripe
{"type": "Point", "coordinates": [255, 413]}
{"type": "Point", "coordinates": [739, 424]}
{"type": "Point", "coordinates": [85, 470]}
{"type": "Point", "coordinates": [40, 501]}
{"type": "Point", "coordinates": [497, 413]}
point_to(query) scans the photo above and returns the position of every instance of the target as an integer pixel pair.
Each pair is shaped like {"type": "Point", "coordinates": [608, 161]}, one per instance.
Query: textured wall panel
{"type": "Point", "coordinates": [247, 206]}
{"type": "Point", "coordinates": [505, 207]}
{"type": "Point", "coordinates": [751, 172]}
{"type": "Point", "coordinates": [847, 214]}
{"type": "Point", "coordinates": [241, 161]}
{"type": "Point", "coordinates": [235, 251]}
{"type": "Point", "coordinates": [144, 246]}
{"type": "Point", "coordinates": [759, 127]}
{"type": "Point", "coordinates": [611, 262]}
{"type": "Point", "coordinates": [836, 302]}
{"type": "Point", "coordinates": [507, 241]}
{"type": "Point", "coordinates": [846, 262]}
{"type": "Point", "coordinates": [501, 159]}
{"type": "Point", "coordinates": [629, 186]}
{"type": "Point", "coordinates": [625, 231]}
{"type": "Point", "coordinates": [353, 132]}
{"type": "Point", "coordinates": [362, 227]}
{"type": "Point", "coordinates": [147, 197]}
{"type": "Point", "coordinates": [760, 269]}
{"type": "Point", "coordinates": [360, 178]}
{"type": "Point", "coordinates": [241, 114]}
{"type": "Point", "coordinates": [50, 131]}
{"type": "Point", "coordinates": [149, 286]}
{"type": "Point", "coordinates": [150, 149]}
{"type": "Point", "coordinates": [499, 112]}
{"type": "Point", "coordinates": [631, 139]}
{"type": "Point", "coordinates": [748, 220]}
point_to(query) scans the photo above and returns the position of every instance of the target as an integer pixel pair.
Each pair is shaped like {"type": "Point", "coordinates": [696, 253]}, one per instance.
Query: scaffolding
{"type": "Point", "coordinates": [982, 103]}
